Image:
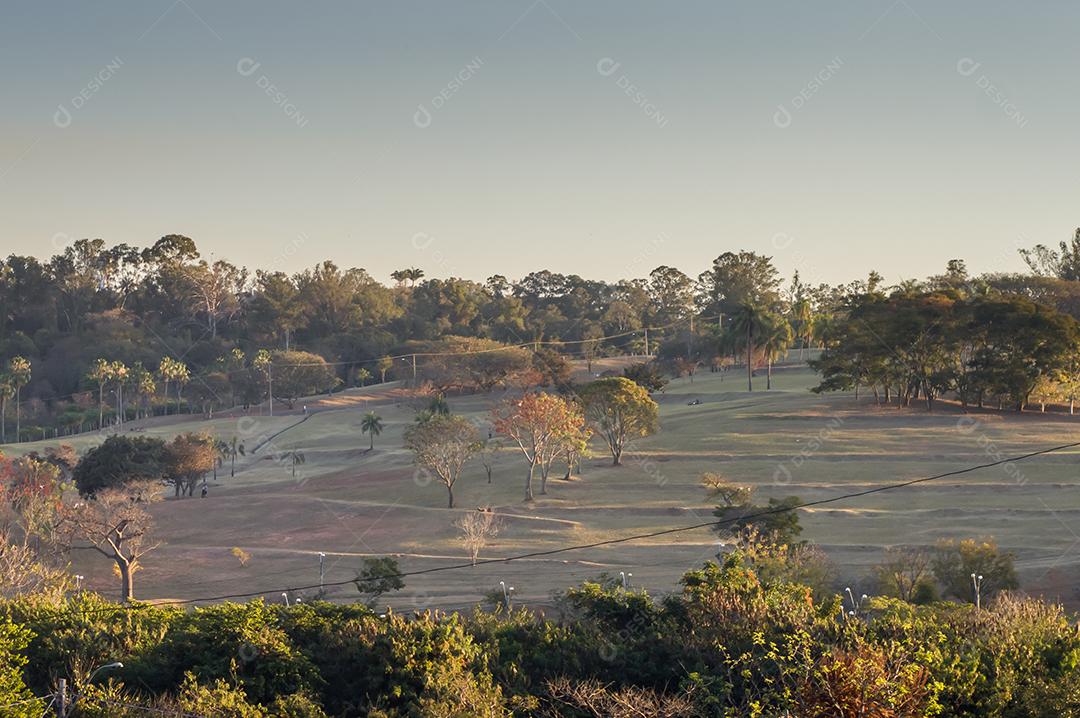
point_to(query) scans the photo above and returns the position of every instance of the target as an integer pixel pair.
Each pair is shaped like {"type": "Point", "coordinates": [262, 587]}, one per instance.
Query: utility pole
{"type": "Point", "coordinates": [414, 368]}
{"type": "Point", "coordinates": [270, 382]}
{"type": "Point", "coordinates": [61, 698]}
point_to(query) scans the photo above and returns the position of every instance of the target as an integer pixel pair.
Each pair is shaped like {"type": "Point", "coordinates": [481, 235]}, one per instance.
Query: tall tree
{"type": "Point", "coordinates": [18, 372]}
{"type": "Point", "coordinates": [747, 324]}
{"type": "Point", "coordinates": [372, 425]}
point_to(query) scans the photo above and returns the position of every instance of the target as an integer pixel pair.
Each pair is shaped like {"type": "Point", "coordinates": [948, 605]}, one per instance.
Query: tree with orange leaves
{"type": "Point", "coordinates": [539, 423]}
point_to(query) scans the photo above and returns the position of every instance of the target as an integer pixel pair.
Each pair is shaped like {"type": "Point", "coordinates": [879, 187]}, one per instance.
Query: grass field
{"type": "Point", "coordinates": [352, 504]}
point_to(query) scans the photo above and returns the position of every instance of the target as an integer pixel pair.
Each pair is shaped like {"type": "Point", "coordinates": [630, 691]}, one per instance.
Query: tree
{"type": "Point", "coordinates": [188, 458]}
{"type": "Point", "coordinates": [371, 424]}
{"type": "Point", "coordinates": [116, 524]}
{"type": "Point", "coordinates": [18, 700]}
{"type": "Point", "coordinates": [442, 445]}
{"type": "Point", "coordinates": [736, 280]}
{"type": "Point", "coordinates": [748, 324]}
{"type": "Point", "coordinates": [728, 492]}
{"type": "Point", "coordinates": [298, 374]}
{"type": "Point", "coordinates": [536, 423]}
{"type": "Point", "coordinates": [294, 457]}
{"type": "Point", "coordinates": [363, 376]}
{"type": "Point", "coordinates": [489, 450]}
{"type": "Point", "coordinates": [620, 410]}
{"type": "Point", "coordinates": [236, 448]}
{"type": "Point", "coordinates": [118, 373]}
{"type": "Point", "coordinates": [173, 370]}
{"type": "Point", "coordinates": [215, 290]}
{"type": "Point", "coordinates": [18, 372]}
{"type": "Point", "coordinates": [7, 391]}
{"type": "Point", "coordinates": [775, 340]}
{"type": "Point", "coordinates": [954, 562]}
{"type": "Point", "coordinates": [384, 365]}
{"type": "Point", "coordinates": [120, 460]}
{"type": "Point", "coordinates": [777, 520]}
{"type": "Point", "coordinates": [99, 374]}
{"type": "Point", "coordinates": [905, 573]}
{"type": "Point", "coordinates": [1063, 263]}
{"type": "Point", "coordinates": [477, 528]}
{"type": "Point", "coordinates": [647, 374]}
{"type": "Point", "coordinates": [378, 576]}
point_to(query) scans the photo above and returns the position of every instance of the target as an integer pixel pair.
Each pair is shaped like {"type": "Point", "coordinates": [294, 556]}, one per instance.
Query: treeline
{"type": "Point", "coordinates": [980, 349]}
{"type": "Point", "coordinates": [98, 333]}
{"type": "Point", "coordinates": [738, 639]}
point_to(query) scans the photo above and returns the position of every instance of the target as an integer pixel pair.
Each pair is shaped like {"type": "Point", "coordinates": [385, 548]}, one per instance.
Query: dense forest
{"type": "Point", "coordinates": [98, 333]}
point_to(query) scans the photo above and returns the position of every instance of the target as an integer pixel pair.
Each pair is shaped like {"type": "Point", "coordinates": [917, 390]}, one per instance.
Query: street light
{"type": "Point", "coordinates": [106, 667]}
{"type": "Point", "coordinates": [626, 579]}
{"type": "Point", "coordinates": [976, 581]}
{"type": "Point", "coordinates": [78, 582]}
{"type": "Point", "coordinates": [286, 597]}
{"type": "Point", "coordinates": [322, 572]}
{"type": "Point", "coordinates": [507, 593]}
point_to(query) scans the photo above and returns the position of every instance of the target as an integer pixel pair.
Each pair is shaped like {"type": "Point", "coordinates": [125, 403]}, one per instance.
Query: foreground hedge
{"type": "Point", "coordinates": [727, 645]}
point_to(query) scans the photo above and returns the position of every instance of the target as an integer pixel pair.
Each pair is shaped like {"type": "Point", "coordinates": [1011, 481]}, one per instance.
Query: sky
{"type": "Point", "coordinates": [597, 138]}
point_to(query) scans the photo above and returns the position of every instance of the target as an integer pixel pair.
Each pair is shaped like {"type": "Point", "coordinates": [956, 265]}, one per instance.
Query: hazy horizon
{"type": "Point", "coordinates": [503, 138]}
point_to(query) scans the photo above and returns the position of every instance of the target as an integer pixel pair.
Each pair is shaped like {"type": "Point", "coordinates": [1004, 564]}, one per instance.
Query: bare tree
{"type": "Point", "coordinates": [477, 528]}
{"type": "Point", "coordinates": [116, 524]}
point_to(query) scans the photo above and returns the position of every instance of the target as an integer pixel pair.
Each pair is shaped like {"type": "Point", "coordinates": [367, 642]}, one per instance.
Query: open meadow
{"type": "Point", "coordinates": [351, 503]}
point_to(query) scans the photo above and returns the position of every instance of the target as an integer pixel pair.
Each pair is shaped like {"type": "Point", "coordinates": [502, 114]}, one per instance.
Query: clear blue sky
{"type": "Point", "coordinates": [911, 132]}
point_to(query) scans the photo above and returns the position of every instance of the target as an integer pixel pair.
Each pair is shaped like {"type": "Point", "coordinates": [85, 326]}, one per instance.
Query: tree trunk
{"type": "Point", "coordinates": [232, 469]}
{"type": "Point", "coordinates": [372, 441]}
{"type": "Point", "coordinates": [768, 374]}
{"type": "Point", "coordinates": [749, 359]}
{"type": "Point", "coordinates": [528, 483]}
{"type": "Point", "coordinates": [18, 414]}
{"type": "Point", "coordinates": [449, 496]}
{"type": "Point", "coordinates": [3, 419]}
{"type": "Point", "coordinates": [127, 583]}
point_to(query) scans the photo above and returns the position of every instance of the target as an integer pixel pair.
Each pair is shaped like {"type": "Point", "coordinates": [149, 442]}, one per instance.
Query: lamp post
{"type": "Point", "coordinates": [322, 569]}
{"type": "Point", "coordinates": [507, 594]}
{"type": "Point", "coordinates": [626, 579]}
{"type": "Point", "coordinates": [286, 597]}
{"type": "Point", "coordinates": [78, 582]}
{"type": "Point", "coordinates": [856, 606]}
{"type": "Point", "coordinates": [976, 581]}
{"type": "Point", "coordinates": [106, 667]}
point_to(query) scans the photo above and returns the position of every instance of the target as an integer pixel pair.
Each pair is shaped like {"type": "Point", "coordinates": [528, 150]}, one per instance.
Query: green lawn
{"type": "Point", "coordinates": [350, 503]}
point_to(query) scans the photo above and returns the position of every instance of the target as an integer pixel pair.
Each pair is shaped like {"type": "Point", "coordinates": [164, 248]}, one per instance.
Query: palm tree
{"type": "Point", "coordinates": [118, 372]}
{"type": "Point", "coordinates": [294, 457]}
{"type": "Point", "coordinates": [19, 374]}
{"type": "Point", "coordinates": [747, 324]}
{"type": "Point", "coordinates": [236, 447]}
{"type": "Point", "coordinates": [802, 316]}
{"type": "Point", "coordinates": [99, 374]}
{"type": "Point", "coordinates": [776, 338]}
{"type": "Point", "coordinates": [372, 424]}
{"type": "Point", "coordinates": [7, 391]}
